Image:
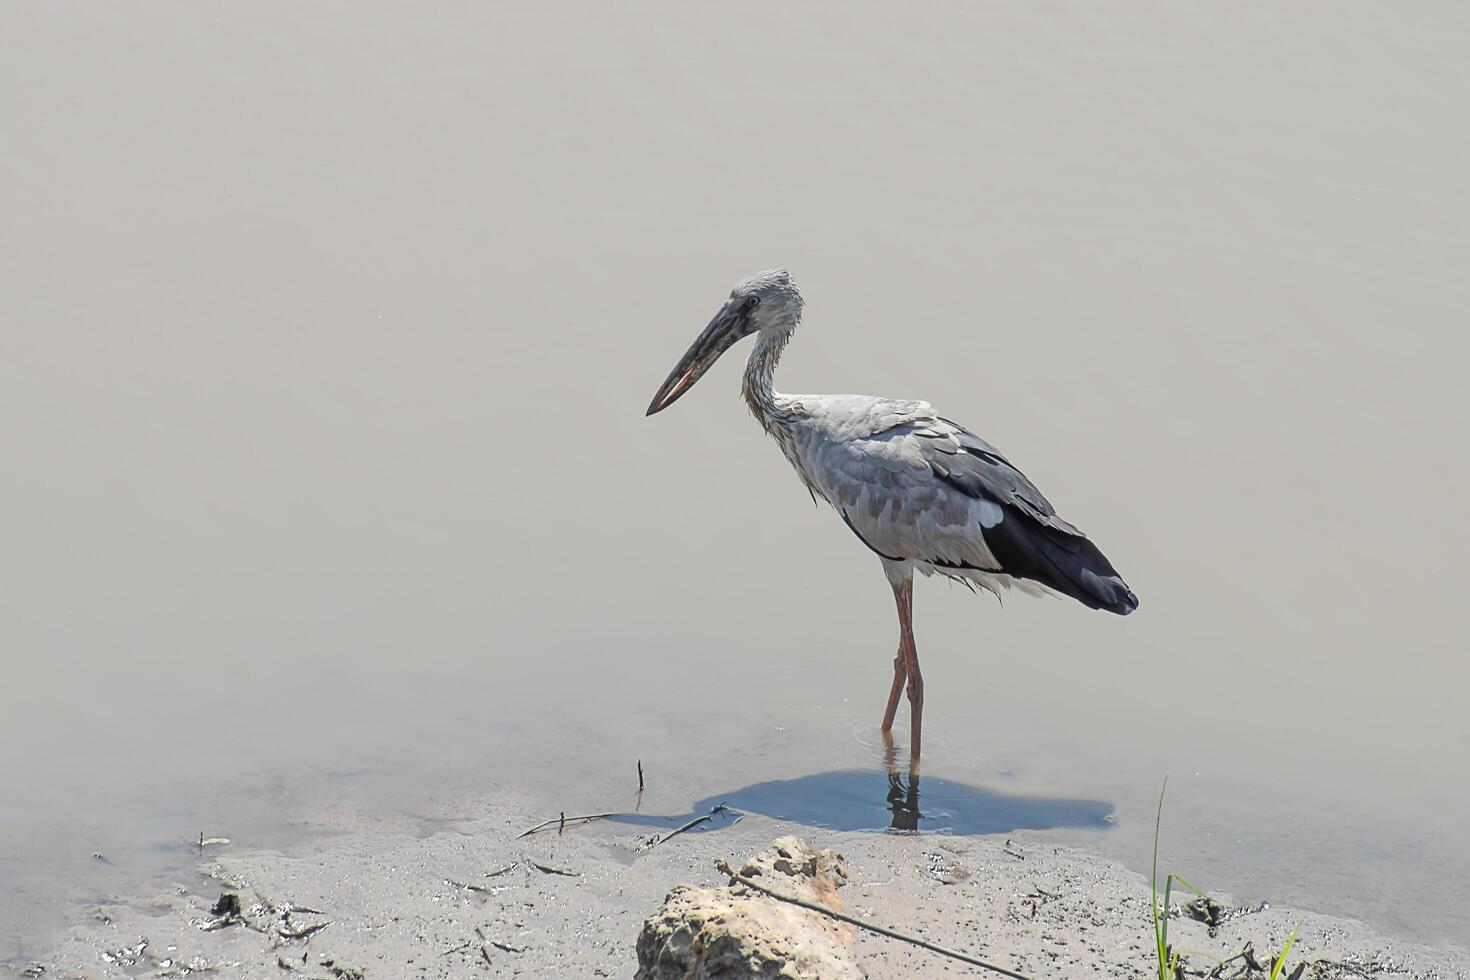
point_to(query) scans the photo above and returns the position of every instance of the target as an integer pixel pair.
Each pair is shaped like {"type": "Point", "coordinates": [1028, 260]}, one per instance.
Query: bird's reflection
{"type": "Point", "coordinates": [903, 800]}
{"type": "Point", "coordinates": [856, 799]}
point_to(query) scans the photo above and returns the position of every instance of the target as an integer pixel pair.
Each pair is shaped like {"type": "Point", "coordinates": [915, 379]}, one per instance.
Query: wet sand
{"type": "Point", "coordinates": [456, 893]}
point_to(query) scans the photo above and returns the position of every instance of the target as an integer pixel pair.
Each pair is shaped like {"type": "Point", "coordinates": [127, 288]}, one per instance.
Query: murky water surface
{"type": "Point", "coordinates": [328, 334]}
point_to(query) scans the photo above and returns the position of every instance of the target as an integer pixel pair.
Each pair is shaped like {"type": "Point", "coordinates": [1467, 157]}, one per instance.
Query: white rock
{"type": "Point", "coordinates": [729, 932]}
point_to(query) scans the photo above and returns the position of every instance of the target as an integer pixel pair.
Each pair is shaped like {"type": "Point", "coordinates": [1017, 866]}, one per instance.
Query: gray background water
{"type": "Point", "coordinates": [327, 333]}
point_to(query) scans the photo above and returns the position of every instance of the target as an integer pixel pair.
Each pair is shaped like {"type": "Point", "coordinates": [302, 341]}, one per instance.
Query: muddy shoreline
{"type": "Point", "coordinates": [384, 897]}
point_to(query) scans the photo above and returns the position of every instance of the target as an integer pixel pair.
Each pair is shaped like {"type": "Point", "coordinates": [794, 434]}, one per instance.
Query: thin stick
{"type": "Point", "coordinates": [688, 826]}
{"type": "Point", "coordinates": [718, 808]}
{"type": "Point", "coordinates": [563, 820]}
{"type": "Point", "coordinates": [640, 779]}
{"type": "Point", "coordinates": [724, 867]}
{"type": "Point", "coordinates": [554, 871]}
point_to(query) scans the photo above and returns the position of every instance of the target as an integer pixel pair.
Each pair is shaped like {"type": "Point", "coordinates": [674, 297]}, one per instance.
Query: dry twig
{"type": "Point", "coordinates": [718, 808]}
{"type": "Point", "coordinates": [562, 820]}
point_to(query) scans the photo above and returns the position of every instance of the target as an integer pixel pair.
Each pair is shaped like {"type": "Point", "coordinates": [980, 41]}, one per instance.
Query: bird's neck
{"type": "Point", "coordinates": [764, 401]}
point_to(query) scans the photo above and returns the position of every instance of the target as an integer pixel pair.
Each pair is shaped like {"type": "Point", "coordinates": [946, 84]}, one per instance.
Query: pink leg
{"type": "Point", "coordinates": [910, 653]}
{"type": "Point", "coordinates": [900, 674]}
{"type": "Point", "coordinates": [906, 668]}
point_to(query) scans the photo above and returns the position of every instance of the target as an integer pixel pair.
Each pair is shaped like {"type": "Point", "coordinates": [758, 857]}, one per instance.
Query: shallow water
{"type": "Point", "coordinates": [329, 332]}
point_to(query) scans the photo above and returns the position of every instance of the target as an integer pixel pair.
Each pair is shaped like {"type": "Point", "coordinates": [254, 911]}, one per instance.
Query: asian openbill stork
{"type": "Point", "coordinates": [922, 492]}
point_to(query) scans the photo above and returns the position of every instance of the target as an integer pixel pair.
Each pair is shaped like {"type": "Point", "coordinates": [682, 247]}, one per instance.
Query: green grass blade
{"type": "Point", "coordinates": [1189, 886]}
{"type": "Point", "coordinates": [1280, 963]}
{"type": "Point", "coordinates": [1161, 923]}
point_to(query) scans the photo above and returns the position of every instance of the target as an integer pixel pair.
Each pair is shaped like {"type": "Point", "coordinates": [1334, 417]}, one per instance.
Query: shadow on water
{"type": "Point", "coordinates": [856, 799]}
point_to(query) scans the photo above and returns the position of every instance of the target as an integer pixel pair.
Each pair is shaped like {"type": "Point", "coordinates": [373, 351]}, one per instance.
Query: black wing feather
{"type": "Point", "coordinates": [1032, 541]}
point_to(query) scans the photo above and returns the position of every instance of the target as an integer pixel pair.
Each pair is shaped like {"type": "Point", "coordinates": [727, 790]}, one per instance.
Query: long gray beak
{"type": "Point", "coordinates": [723, 331]}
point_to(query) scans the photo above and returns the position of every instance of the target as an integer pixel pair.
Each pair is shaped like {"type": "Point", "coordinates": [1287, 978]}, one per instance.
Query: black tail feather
{"type": "Point", "coordinates": [1066, 563]}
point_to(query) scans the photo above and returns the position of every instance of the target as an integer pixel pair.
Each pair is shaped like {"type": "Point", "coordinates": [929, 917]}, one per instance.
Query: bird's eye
{"type": "Point", "coordinates": [752, 302]}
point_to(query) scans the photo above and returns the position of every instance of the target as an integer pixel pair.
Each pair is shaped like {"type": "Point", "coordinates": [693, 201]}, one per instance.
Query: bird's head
{"type": "Point", "coordinates": [765, 303]}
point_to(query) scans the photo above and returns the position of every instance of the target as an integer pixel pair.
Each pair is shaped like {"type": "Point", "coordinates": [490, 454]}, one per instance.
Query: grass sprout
{"type": "Point", "coordinates": [1169, 959]}
{"type": "Point", "coordinates": [1169, 968]}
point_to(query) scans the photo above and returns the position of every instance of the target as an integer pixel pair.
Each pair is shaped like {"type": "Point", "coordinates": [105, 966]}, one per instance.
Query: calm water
{"type": "Point", "coordinates": [327, 336]}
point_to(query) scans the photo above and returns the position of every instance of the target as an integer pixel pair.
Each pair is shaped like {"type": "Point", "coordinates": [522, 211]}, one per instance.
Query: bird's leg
{"type": "Point", "coordinates": [911, 657]}
{"type": "Point", "coordinates": [902, 594]}
{"type": "Point", "coordinates": [900, 674]}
